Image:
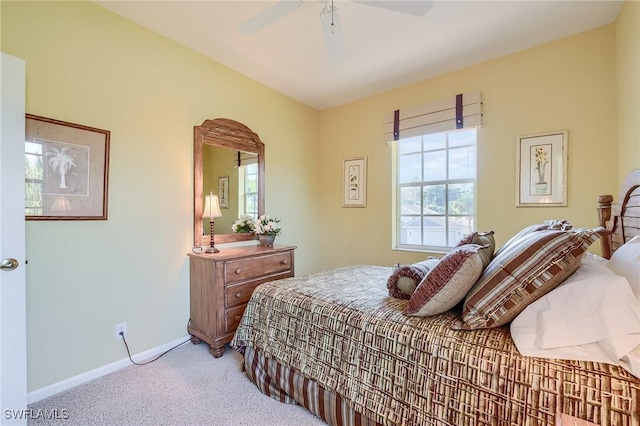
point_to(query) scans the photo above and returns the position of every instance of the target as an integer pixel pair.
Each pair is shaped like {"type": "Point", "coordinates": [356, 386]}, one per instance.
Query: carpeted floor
{"type": "Point", "coordinates": [187, 386]}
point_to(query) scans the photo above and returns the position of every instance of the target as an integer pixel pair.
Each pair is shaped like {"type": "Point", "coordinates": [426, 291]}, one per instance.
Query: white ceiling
{"type": "Point", "coordinates": [385, 49]}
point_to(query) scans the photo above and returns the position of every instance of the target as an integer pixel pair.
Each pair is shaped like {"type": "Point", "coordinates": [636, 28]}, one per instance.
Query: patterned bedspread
{"type": "Point", "coordinates": [341, 329]}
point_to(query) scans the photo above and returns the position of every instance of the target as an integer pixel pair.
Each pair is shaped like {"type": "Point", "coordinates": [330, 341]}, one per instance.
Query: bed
{"type": "Point", "coordinates": [337, 343]}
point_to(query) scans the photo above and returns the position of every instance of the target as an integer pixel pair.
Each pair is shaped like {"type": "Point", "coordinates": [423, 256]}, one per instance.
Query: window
{"type": "Point", "coordinates": [248, 187]}
{"type": "Point", "coordinates": [435, 189]}
{"type": "Point", "coordinates": [33, 174]}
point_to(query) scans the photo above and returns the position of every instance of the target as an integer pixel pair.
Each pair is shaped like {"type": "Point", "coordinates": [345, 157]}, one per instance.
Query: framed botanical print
{"type": "Point", "coordinates": [541, 169]}
{"type": "Point", "coordinates": [354, 193]}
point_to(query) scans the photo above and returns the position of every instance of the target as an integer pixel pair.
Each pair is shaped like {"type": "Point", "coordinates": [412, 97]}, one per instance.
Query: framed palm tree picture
{"type": "Point", "coordinates": [66, 170]}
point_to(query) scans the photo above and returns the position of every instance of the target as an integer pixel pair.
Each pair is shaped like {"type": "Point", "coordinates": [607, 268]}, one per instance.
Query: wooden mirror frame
{"type": "Point", "coordinates": [230, 134]}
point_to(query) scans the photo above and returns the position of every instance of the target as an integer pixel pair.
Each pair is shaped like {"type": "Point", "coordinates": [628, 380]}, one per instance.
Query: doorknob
{"type": "Point", "coordinates": [8, 264]}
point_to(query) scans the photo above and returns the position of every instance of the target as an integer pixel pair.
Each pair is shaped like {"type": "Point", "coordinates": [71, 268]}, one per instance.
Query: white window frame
{"type": "Point", "coordinates": [396, 186]}
{"type": "Point", "coordinates": [244, 194]}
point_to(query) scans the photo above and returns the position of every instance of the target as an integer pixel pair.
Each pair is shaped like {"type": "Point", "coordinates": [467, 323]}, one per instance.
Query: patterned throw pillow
{"type": "Point", "coordinates": [481, 238]}
{"type": "Point", "coordinates": [405, 278]}
{"type": "Point", "coordinates": [548, 224]}
{"type": "Point", "coordinates": [448, 282]}
{"type": "Point", "coordinates": [526, 270]}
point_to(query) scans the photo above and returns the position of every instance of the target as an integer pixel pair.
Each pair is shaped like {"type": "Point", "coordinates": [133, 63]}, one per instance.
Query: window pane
{"type": "Point", "coordinates": [459, 227]}
{"type": "Point", "coordinates": [410, 200]}
{"type": "Point", "coordinates": [462, 163]}
{"type": "Point", "coordinates": [251, 183]}
{"type": "Point", "coordinates": [409, 145]}
{"type": "Point", "coordinates": [33, 198]}
{"type": "Point", "coordinates": [251, 205]}
{"type": "Point", "coordinates": [435, 141]}
{"type": "Point", "coordinates": [410, 230]}
{"type": "Point", "coordinates": [434, 231]}
{"type": "Point", "coordinates": [409, 168]}
{"type": "Point", "coordinates": [460, 138]}
{"type": "Point", "coordinates": [33, 148]}
{"type": "Point", "coordinates": [33, 167]}
{"type": "Point", "coordinates": [434, 200]}
{"type": "Point", "coordinates": [461, 198]}
{"type": "Point", "coordinates": [435, 166]}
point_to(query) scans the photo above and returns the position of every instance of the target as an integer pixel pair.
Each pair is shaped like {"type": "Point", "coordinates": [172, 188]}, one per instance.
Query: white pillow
{"type": "Point", "coordinates": [592, 316]}
{"type": "Point", "coordinates": [626, 262]}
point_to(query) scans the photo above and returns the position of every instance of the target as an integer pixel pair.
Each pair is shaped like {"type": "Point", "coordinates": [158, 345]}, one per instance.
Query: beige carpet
{"type": "Point", "coordinates": [187, 386]}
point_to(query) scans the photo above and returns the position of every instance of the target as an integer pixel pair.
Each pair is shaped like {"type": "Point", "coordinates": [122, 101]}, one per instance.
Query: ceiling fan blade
{"type": "Point", "coordinates": [269, 16]}
{"type": "Point", "coordinates": [333, 33]}
{"type": "Point", "coordinates": [412, 7]}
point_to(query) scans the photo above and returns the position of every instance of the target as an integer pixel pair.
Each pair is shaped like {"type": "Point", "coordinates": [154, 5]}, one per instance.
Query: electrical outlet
{"type": "Point", "coordinates": [121, 328]}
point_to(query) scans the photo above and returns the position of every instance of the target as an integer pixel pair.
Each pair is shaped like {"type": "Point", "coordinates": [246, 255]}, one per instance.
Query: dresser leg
{"type": "Point", "coordinates": [216, 352]}
{"type": "Point", "coordinates": [195, 340]}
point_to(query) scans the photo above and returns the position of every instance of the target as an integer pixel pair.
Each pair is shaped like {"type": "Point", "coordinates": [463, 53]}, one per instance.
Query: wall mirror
{"type": "Point", "coordinates": [228, 160]}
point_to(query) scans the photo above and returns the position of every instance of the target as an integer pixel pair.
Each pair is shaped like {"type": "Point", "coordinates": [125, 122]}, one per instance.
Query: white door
{"type": "Point", "coordinates": [13, 329]}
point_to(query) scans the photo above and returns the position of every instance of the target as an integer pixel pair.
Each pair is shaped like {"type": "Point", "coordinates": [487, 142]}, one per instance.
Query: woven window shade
{"type": "Point", "coordinates": [443, 115]}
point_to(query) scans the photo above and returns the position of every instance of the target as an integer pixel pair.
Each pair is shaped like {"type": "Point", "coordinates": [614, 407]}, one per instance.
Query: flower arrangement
{"type": "Point", "coordinates": [243, 224]}
{"type": "Point", "coordinates": [264, 225]}
{"type": "Point", "coordinates": [541, 162]}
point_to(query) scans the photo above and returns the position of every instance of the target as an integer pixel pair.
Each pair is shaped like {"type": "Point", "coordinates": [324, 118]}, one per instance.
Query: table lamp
{"type": "Point", "coordinates": [211, 211]}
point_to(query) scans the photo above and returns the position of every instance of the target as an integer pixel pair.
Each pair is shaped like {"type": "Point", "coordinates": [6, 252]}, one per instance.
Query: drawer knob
{"type": "Point", "coordinates": [238, 271]}
{"type": "Point", "coordinates": [239, 294]}
{"type": "Point", "coordinates": [285, 261]}
{"type": "Point", "coordinates": [238, 317]}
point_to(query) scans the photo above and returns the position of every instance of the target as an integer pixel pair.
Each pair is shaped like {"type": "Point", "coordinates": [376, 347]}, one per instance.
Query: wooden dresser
{"type": "Point", "coordinates": [222, 283]}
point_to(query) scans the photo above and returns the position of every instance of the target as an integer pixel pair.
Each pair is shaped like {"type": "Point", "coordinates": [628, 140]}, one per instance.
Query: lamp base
{"type": "Point", "coordinates": [212, 250]}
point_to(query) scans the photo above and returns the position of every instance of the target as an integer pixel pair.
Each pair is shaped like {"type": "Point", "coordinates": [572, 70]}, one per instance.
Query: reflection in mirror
{"type": "Point", "coordinates": [233, 176]}
{"type": "Point", "coordinates": [228, 162]}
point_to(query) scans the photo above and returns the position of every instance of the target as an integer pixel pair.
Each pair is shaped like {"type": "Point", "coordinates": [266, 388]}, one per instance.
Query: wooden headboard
{"type": "Point", "coordinates": [621, 218]}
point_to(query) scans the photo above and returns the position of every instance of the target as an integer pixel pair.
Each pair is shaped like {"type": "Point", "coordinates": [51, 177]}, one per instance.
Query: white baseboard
{"type": "Point", "coordinates": [72, 382]}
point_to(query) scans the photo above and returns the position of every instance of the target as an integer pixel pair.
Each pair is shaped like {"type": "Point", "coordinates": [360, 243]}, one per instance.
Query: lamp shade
{"type": "Point", "coordinates": [61, 205]}
{"type": "Point", "coordinates": [211, 206]}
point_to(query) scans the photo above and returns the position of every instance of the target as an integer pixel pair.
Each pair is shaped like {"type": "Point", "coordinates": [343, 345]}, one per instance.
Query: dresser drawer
{"type": "Point", "coordinates": [244, 269]}
{"type": "Point", "coordinates": [239, 294]}
{"type": "Point", "coordinates": [233, 317]}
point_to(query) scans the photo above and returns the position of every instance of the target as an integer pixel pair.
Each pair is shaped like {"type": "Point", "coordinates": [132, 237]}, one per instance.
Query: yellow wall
{"type": "Point", "coordinates": [568, 84]}
{"type": "Point", "coordinates": [628, 73]}
{"type": "Point", "coordinates": [89, 66]}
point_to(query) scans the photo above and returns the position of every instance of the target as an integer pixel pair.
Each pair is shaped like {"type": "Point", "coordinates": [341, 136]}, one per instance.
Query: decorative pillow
{"type": "Point", "coordinates": [548, 224]}
{"type": "Point", "coordinates": [404, 279]}
{"type": "Point", "coordinates": [526, 270]}
{"type": "Point", "coordinates": [448, 282]}
{"type": "Point", "coordinates": [482, 238]}
{"type": "Point", "coordinates": [626, 262]}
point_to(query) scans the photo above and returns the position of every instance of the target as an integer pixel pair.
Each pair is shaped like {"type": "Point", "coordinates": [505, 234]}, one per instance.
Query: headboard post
{"type": "Point", "coordinates": [604, 217]}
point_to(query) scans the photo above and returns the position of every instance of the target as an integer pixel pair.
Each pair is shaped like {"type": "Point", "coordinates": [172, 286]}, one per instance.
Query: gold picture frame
{"type": "Point", "coordinates": [542, 169]}
{"type": "Point", "coordinates": [66, 170]}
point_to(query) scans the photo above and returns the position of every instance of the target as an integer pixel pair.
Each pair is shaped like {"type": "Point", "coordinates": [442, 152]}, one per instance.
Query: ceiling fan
{"type": "Point", "coordinates": [330, 19]}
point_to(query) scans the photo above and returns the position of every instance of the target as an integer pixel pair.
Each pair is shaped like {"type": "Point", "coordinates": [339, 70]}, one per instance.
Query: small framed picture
{"type": "Point", "coordinates": [66, 170]}
{"type": "Point", "coordinates": [541, 169]}
{"type": "Point", "coordinates": [223, 192]}
{"type": "Point", "coordinates": [354, 193]}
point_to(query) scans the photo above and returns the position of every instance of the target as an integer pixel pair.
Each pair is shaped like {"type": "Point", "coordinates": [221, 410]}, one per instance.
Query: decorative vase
{"type": "Point", "coordinates": [541, 188]}
{"type": "Point", "coordinates": [266, 240]}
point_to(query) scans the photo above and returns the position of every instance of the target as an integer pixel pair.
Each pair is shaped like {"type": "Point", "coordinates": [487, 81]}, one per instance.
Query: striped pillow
{"type": "Point", "coordinates": [548, 224]}
{"type": "Point", "coordinates": [526, 270]}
